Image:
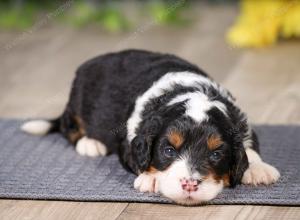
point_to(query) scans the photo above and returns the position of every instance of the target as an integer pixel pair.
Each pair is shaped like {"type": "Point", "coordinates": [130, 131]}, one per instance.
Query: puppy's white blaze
{"type": "Point", "coordinates": [37, 127]}
{"type": "Point", "coordinates": [197, 105]}
{"type": "Point", "coordinates": [169, 184]}
{"type": "Point", "coordinates": [164, 84]}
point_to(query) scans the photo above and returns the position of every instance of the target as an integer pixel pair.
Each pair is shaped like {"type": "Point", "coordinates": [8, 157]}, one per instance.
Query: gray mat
{"type": "Point", "coordinates": [49, 168]}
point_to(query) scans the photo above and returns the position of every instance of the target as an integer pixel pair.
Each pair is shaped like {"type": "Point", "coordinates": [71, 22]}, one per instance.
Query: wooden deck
{"type": "Point", "coordinates": [36, 74]}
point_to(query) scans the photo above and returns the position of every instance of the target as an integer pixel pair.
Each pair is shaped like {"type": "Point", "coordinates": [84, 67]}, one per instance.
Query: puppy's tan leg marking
{"type": "Point", "coordinates": [90, 147]}
{"type": "Point", "coordinates": [258, 171]}
{"type": "Point", "coordinates": [146, 182]}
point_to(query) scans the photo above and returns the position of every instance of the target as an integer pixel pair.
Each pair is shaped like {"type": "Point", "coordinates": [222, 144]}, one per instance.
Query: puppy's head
{"type": "Point", "coordinates": [193, 162]}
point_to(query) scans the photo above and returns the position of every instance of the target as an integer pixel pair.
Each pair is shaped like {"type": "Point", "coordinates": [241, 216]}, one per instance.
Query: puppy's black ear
{"type": "Point", "coordinates": [141, 152]}
{"type": "Point", "coordinates": [232, 128]}
{"type": "Point", "coordinates": [142, 144]}
{"type": "Point", "coordinates": [239, 162]}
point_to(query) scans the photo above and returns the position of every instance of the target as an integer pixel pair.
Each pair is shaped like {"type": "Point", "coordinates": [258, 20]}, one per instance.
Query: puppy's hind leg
{"type": "Point", "coordinates": [90, 147]}
{"type": "Point", "coordinates": [74, 130]}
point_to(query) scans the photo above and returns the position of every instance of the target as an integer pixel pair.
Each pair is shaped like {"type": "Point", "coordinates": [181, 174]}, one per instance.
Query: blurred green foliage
{"type": "Point", "coordinates": [112, 19]}
{"type": "Point", "coordinates": [166, 13]}
{"type": "Point", "coordinates": [106, 15]}
{"type": "Point", "coordinates": [17, 18]}
{"type": "Point", "coordinates": [22, 14]}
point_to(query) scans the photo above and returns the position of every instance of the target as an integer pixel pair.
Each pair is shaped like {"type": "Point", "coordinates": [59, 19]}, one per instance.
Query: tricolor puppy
{"type": "Point", "coordinates": [169, 122]}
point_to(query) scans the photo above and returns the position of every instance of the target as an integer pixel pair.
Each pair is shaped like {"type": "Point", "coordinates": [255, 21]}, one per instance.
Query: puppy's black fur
{"type": "Point", "coordinates": [104, 95]}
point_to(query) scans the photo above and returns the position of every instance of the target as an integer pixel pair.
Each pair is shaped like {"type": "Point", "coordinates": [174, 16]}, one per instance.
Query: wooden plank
{"type": "Point", "coordinates": [24, 209]}
{"type": "Point", "coordinates": [174, 212]}
{"type": "Point", "coordinates": [267, 84]}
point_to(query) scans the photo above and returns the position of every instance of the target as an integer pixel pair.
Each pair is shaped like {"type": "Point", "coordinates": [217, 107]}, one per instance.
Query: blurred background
{"type": "Point", "coordinates": [251, 47]}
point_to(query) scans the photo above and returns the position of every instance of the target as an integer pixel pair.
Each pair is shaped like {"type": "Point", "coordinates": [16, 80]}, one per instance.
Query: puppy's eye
{"type": "Point", "coordinates": [170, 152]}
{"type": "Point", "coordinates": [216, 155]}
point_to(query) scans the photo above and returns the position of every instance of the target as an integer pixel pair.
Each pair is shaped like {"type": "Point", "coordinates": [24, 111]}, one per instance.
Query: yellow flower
{"type": "Point", "coordinates": [262, 22]}
{"type": "Point", "coordinates": [291, 22]}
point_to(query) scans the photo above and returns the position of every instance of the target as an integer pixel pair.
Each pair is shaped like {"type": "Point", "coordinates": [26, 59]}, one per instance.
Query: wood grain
{"type": "Point", "coordinates": [37, 210]}
{"type": "Point", "coordinates": [170, 212]}
{"type": "Point", "coordinates": [267, 84]}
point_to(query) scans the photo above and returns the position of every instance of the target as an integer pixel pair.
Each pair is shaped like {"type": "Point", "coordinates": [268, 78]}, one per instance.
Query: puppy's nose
{"type": "Point", "coordinates": [190, 185]}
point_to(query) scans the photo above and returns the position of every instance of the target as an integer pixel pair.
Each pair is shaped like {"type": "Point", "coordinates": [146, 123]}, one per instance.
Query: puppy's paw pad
{"type": "Point", "coordinates": [260, 173]}
{"type": "Point", "coordinates": [90, 147]}
{"type": "Point", "coordinates": [145, 183]}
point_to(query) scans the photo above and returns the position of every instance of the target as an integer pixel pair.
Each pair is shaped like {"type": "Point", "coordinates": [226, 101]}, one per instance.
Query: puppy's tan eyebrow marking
{"type": "Point", "coordinates": [176, 139]}
{"type": "Point", "coordinates": [214, 141]}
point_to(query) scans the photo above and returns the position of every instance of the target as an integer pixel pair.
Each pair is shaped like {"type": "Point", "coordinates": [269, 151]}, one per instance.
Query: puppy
{"type": "Point", "coordinates": [168, 121]}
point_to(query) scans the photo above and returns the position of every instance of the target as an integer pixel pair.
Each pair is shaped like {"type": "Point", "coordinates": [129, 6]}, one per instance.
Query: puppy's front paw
{"type": "Point", "coordinates": [260, 173]}
{"type": "Point", "coordinates": [146, 183]}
